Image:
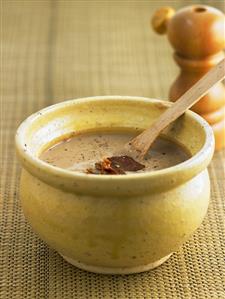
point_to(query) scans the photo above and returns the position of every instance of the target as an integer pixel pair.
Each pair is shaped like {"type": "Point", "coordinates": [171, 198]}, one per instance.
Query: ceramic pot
{"type": "Point", "coordinates": [113, 224]}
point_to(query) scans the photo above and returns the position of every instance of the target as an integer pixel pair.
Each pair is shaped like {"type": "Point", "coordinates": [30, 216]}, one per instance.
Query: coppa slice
{"type": "Point", "coordinates": [84, 151]}
{"type": "Point", "coordinates": [116, 165]}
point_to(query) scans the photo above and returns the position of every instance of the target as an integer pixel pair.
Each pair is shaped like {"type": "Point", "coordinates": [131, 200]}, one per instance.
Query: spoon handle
{"type": "Point", "coordinates": [143, 141]}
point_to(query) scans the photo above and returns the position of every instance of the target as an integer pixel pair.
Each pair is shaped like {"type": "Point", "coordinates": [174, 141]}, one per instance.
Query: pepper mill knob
{"type": "Point", "coordinates": [197, 34]}
{"type": "Point", "coordinates": [160, 19]}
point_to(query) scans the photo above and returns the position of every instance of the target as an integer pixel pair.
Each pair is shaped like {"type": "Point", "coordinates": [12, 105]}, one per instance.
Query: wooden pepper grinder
{"type": "Point", "coordinates": [197, 33]}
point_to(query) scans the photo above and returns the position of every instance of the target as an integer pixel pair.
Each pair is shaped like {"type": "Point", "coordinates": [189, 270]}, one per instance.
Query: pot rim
{"type": "Point", "coordinates": [199, 161]}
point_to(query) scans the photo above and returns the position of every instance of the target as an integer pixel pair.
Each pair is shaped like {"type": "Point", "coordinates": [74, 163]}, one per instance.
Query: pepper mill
{"type": "Point", "coordinates": [197, 34]}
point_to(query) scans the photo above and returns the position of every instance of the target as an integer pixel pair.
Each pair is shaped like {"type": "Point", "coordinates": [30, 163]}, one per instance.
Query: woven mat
{"type": "Point", "coordinates": [55, 50]}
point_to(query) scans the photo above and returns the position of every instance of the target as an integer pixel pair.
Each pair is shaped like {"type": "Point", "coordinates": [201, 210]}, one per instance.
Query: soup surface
{"type": "Point", "coordinates": [83, 150]}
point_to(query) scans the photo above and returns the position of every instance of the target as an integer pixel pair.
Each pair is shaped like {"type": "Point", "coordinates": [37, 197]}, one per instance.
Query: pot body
{"type": "Point", "coordinates": [113, 234]}
{"type": "Point", "coordinates": [113, 224]}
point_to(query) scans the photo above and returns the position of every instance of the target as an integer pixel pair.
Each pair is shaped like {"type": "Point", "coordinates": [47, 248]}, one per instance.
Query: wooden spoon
{"type": "Point", "coordinates": [133, 153]}
{"type": "Point", "coordinates": [138, 147]}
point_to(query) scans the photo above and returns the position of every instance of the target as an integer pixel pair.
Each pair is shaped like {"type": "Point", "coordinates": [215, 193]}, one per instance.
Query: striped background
{"type": "Point", "coordinates": [56, 50]}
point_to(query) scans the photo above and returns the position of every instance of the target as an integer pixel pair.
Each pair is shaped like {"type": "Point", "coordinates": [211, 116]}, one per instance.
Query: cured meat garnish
{"type": "Point", "coordinates": [126, 163]}
{"type": "Point", "coordinates": [116, 165]}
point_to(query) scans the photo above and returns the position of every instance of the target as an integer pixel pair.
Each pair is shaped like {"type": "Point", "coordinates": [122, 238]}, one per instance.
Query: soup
{"type": "Point", "coordinates": [82, 151]}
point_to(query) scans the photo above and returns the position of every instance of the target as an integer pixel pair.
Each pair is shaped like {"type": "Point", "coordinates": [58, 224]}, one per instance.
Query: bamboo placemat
{"type": "Point", "coordinates": [55, 50]}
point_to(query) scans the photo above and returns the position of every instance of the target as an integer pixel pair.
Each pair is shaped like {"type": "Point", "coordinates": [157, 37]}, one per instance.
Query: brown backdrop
{"type": "Point", "coordinates": [56, 50]}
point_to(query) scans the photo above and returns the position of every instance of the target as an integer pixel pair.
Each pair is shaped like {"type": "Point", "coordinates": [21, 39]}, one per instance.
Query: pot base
{"type": "Point", "coordinates": [108, 270]}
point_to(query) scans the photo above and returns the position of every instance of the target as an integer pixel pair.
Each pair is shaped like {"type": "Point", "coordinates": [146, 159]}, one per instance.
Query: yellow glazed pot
{"type": "Point", "coordinates": [113, 224]}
